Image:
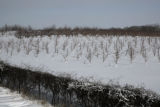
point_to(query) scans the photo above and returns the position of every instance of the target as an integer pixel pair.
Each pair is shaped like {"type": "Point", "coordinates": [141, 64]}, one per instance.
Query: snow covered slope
{"type": "Point", "coordinates": [123, 60]}
{"type": "Point", "coordinates": [10, 99]}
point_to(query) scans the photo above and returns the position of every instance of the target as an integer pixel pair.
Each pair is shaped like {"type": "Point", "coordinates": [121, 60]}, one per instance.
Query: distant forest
{"type": "Point", "coordinates": [146, 30]}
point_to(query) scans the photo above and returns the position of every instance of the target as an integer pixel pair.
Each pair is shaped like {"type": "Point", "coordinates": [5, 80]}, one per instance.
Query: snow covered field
{"type": "Point", "coordinates": [106, 59]}
{"type": "Point", "coordinates": [12, 99]}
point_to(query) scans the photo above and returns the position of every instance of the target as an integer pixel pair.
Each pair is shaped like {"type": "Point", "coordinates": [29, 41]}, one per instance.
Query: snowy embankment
{"type": "Point", "coordinates": [12, 99]}
{"type": "Point", "coordinates": [123, 60]}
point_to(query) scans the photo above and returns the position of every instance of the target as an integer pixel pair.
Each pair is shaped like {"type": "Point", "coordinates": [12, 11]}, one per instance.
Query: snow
{"type": "Point", "coordinates": [12, 99]}
{"type": "Point", "coordinates": [91, 58]}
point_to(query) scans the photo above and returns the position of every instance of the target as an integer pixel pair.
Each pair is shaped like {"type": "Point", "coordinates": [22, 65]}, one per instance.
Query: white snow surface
{"type": "Point", "coordinates": [91, 58]}
{"type": "Point", "coordinates": [12, 99]}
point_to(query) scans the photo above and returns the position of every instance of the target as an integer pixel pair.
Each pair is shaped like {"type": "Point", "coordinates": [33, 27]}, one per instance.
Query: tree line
{"type": "Point", "coordinates": [147, 30]}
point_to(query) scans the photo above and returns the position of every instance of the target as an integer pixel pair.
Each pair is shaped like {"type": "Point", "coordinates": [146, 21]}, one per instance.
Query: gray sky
{"type": "Point", "coordinates": [91, 13]}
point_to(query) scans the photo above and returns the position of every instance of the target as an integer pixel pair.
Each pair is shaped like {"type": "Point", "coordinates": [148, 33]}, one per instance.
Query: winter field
{"type": "Point", "coordinates": [133, 60]}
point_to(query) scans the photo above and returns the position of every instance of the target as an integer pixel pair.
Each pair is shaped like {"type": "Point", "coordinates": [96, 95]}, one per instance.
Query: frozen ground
{"type": "Point", "coordinates": [12, 99]}
{"type": "Point", "coordinates": [123, 60]}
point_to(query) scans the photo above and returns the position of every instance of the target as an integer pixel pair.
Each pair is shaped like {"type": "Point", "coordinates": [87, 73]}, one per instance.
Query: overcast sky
{"type": "Point", "coordinates": [90, 13]}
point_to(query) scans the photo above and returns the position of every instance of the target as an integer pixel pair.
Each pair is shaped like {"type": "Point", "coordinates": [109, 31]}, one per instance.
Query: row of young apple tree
{"type": "Point", "coordinates": [85, 48]}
